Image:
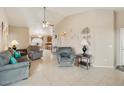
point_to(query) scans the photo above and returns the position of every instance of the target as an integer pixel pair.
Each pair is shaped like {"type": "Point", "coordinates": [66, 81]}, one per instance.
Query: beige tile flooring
{"type": "Point", "coordinates": [46, 72]}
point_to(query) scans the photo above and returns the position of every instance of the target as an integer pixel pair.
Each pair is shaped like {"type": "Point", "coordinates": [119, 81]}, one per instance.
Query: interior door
{"type": "Point", "coordinates": [122, 39]}
{"type": "Point", "coordinates": [122, 46]}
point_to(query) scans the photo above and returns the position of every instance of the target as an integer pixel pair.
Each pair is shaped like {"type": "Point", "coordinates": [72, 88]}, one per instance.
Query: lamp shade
{"type": "Point", "coordinates": [14, 42]}
{"type": "Point", "coordinates": [84, 42]}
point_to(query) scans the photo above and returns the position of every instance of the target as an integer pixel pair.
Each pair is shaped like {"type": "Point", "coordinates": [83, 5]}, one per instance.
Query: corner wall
{"type": "Point", "coordinates": [21, 34]}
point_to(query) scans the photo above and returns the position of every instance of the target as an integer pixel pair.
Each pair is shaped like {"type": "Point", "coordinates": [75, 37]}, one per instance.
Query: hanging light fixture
{"type": "Point", "coordinates": [45, 22]}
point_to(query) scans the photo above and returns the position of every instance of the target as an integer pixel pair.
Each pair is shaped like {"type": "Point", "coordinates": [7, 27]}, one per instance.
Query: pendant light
{"type": "Point", "coordinates": [45, 22]}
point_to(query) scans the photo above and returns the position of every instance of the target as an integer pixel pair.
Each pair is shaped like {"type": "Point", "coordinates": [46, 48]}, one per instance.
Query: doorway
{"type": "Point", "coordinates": [47, 39]}
{"type": "Point", "coordinates": [122, 46]}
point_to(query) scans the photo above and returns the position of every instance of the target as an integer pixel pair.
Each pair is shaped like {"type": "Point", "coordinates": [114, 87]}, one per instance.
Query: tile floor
{"type": "Point", "coordinates": [46, 72]}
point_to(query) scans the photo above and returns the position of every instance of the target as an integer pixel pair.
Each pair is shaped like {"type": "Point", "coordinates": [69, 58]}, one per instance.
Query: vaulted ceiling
{"type": "Point", "coordinates": [32, 17]}
{"type": "Point", "coordinates": [27, 16]}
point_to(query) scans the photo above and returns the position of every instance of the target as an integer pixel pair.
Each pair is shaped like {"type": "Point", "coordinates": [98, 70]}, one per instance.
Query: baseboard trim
{"type": "Point", "coordinates": [103, 66]}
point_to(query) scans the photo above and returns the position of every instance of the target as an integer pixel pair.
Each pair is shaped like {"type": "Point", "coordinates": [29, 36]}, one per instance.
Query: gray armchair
{"type": "Point", "coordinates": [65, 56]}
{"type": "Point", "coordinates": [34, 52]}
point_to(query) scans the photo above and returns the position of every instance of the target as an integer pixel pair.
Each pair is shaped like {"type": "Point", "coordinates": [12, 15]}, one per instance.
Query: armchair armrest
{"type": "Point", "coordinates": [72, 56]}
{"type": "Point", "coordinates": [58, 58]}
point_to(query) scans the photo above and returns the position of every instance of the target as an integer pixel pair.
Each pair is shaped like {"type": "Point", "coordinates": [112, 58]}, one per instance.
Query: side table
{"type": "Point", "coordinates": [83, 60]}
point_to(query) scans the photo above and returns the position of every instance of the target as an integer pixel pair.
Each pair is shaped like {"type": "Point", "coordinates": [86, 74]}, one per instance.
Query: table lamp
{"type": "Point", "coordinates": [85, 44]}
{"type": "Point", "coordinates": [14, 44]}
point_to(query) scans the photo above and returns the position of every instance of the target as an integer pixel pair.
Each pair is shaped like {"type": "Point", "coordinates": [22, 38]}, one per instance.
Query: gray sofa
{"type": "Point", "coordinates": [65, 56]}
{"type": "Point", "coordinates": [34, 52]}
{"type": "Point", "coordinates": [10, 73]}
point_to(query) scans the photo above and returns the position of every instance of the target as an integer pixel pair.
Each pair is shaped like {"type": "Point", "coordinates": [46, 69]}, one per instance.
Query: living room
{"type": "Point", "coordinates": [23, 30]}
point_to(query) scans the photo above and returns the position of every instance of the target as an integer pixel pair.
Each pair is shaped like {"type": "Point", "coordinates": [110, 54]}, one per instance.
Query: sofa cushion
{"type": "Point", "coordinates": [64, 54]}
{"type": "Point", "coordinates": [65, 59]}
{"type": "Point", "coordinates": [6, 53]}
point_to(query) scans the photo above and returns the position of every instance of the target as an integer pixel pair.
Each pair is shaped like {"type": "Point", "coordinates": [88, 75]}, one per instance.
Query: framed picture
{"type": "Point", "coordinates": [1, 29]}
{"type": "Point", "coordinates": [55, 36]}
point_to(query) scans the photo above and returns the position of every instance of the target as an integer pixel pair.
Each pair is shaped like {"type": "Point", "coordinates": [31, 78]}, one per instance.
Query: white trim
{"type": "Point", "coordinates": [103, 66]}
{"type": "Point", "coordinates": [120, 38]}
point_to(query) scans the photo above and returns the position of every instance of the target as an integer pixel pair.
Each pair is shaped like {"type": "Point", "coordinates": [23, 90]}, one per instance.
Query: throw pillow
{"type": "Point", "coordinates": [8, 53]}
{"type": "Point", "coordinates": [17, 54]}
{"type": "Point", "coordinates": [12, 60]}
{"type": "Point", "coordinates": [11, 51]}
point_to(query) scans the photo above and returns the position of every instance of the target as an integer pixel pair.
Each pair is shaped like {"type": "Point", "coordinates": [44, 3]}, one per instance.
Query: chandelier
{"type": "Point", "coordinates": [45, 22]}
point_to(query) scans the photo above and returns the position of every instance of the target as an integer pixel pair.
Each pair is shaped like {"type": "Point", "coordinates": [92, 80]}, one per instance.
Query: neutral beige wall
{"type": "Point", "coordinates": [21, 34]}
{"type": "Point", "coordinates": [100, 23]}
{"type": "Point", "coordinates": [3, 18]}
{"type": "Point", "coordinates": [104, 38]}
{"type": "Point", "coordinates": [73, 25]}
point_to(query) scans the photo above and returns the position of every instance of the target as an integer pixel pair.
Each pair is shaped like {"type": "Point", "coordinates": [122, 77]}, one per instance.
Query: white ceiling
{"type": "Point", "coordinates": [29, 17]}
